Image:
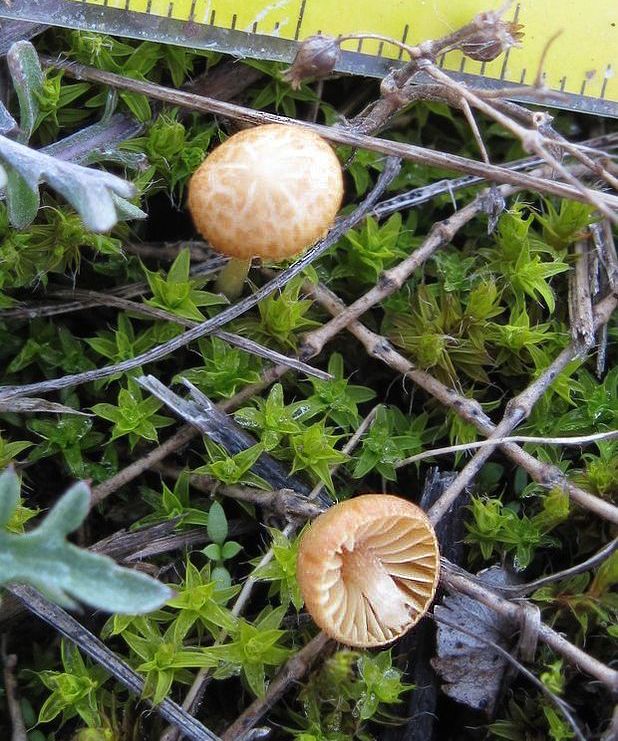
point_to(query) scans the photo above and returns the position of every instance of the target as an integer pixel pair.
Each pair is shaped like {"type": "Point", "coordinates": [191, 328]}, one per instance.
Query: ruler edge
{"type": "Point", "coordinates": [241, 44]}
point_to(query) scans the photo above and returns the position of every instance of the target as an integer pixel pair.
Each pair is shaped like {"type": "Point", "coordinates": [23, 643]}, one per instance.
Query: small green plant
{"type": "Point", "coordinates": [162, 658]}
{"type": "Point", "coordinates": [390, 439]}
{"type": "Point", "coordinates": [588, 598]}
{"type": "Point", "coordinates": [178, 293]}
{"type": "Point", "coordinates": [60, 570]}
{"type": "Point", "coordinates": [220, 550]}
{"type": "Point", "coordinates": [233, 469]}
{"type": "Point", "coordinates": [253, 648]}
{"type": "Point", "coordinates": [225, 369]}
{"type": "Point", "coordinates": [365, 253]}
{"type": "Point", "coordinates": [172, 504]}
{"type": "Point", "coordinates": [76, 691]}
{"type": "Point", "coordinates": [496, 526]}
{"type": "Point", "coordinates": [133, 416]}
{"type": "Point", "coordinates": [338, 399]}
{"type": "Point", "coordinates": [350, 689]}
{"type": "Point", "coordinates": [281, 317]}
{"type": "Point", "coordinates": [201, 600]}
{"type": "Point", "coordinates": [280, 571]}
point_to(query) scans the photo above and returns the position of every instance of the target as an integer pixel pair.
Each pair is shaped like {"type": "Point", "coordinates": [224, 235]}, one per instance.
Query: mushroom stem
{"type": "Point", "coordinates": [231, 278]}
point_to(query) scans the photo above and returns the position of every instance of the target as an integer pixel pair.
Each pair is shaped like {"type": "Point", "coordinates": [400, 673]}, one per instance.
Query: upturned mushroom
{"type": "Point", "coordinates": [368, 569]}
{"type": "Point", "coordinates": [270, 192]}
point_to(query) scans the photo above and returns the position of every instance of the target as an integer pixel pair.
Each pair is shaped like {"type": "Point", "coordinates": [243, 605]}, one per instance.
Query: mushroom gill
{"type": "Point", "coordinates": [368, 569]}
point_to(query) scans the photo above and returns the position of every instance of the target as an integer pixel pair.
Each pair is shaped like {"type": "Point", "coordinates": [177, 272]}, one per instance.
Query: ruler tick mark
{"type": "Point", "coordinates": [300, 20]}
{"type": "Point", "coordinates": [212, 17]}
{"type": "Point", "coordinates": [508, 51]}
{"type": "Point", "coordinates": [606, 76]}
{"type": "Point", "coordinates": [234, 18]}
{"type": "Point", "coordinates": [404, 36]}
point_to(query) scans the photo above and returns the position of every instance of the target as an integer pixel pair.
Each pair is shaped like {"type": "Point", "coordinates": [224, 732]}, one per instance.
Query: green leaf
{"type": "Point", "coordinates": [217, 523]}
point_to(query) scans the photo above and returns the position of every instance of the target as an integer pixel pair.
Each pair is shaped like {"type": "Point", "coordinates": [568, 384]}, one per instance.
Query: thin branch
{"type": "Point", "coordinates": [292, 671]}
{"type": "Point", "coordinates": [411, 152]}
{"type": "Point", "coordinates": [90, 645]}
{"type": "Point", "coordinates": [469, 409]}
{"type": "Point", "coordinates": [518, 409]}
{"type": "Point", "coordinates": [284, 502]}
{"type": "Point", "coordinates": [579, 440]}
{"type": "Point", "coordinates": [341, 226]}
{"type": "Point", "coordinates": [579, 568]}
{"type": "Point", "coordinates": [249, 346]}
{"type": "Point", "coordinates": [11, 693]}
{"type": "Point", "coordinates": [459, 580]}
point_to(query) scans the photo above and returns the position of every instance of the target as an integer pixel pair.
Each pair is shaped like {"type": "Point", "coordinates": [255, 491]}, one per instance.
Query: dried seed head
{"type": "Point", "coordinates": [316, 57]}
{"type": "Point", "coordinates": [270, 192]}
{"type": "Point", "coordinates": [491, 39]}
{"type": "Point", "coordinates": [368, 569]}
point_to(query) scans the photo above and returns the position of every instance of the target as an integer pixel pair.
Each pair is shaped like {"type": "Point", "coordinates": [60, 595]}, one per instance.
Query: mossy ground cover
{"type": "Point", "coordinates": [485, 316]}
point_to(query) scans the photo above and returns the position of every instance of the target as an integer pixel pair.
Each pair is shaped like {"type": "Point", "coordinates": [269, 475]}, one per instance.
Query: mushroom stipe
{"type": "Point", "coordinates": [368, 569]}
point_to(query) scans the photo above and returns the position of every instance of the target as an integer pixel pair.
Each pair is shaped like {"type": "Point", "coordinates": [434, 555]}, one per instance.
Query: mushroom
{"type": "Point", "coordinates": [368, 569]}
{"type": "Point", "coordinates": [270, 191]}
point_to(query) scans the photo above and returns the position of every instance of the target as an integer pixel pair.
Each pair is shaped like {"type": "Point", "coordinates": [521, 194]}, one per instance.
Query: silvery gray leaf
{"type": "Point", "coordinates": [90, 192]}
{"type": "Point", "coordinates": [27, 75]}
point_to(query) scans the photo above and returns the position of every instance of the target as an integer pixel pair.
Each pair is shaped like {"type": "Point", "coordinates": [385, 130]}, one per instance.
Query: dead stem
{"type": "Point", "coordinates": [518, 409]}
{"type": "Point", "coordinates": [291, 673]}
{"type": "Point", "coordinates": [11, 693]}
{"type": "Point", "coordinates": [90, 645]}
{"type": "Point", "coordinates": [579, 568]}
{"type": "Point", "coordinates": [449, 162]}
{"type": "Point", "coordinates": [469, 409]}
{"type": "Point", "coordinates": [249, 346]}
{"type": "Point", "coordinates": [460, 581]}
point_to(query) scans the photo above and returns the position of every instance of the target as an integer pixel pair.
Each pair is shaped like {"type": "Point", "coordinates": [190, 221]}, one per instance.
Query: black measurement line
{"type": "Point", "coordinates": [562, 84]}
{"type": "Point", "coordinates": [523, 76]}
{"type": "Point", "coordinates": [300, 20]}
{"type": "Point", "coordinates": [148, 6]}
{"type": "Point", "coordinates": [359, 46]}
{"type": "Point", "coordinates": [212, 17]}
{"type": "Point", "coordinates": [233, 26]}
{"type": "Point", "coordinates": [380, 48]}
{"type": "Point", "coordinates": [606, 76]}
{"type": "Point", "coordinates": [127, 3]}
{"type": "Point", "coordinates": [170, 9]}
{"type": "Point", "coordinates": [583, 87]}
{"type": "Point", "coordinates": [483, 65]}
{"type": "Point", "coordinates": [276, 28]}
{"type": "Point", "coordinates": [508, 51]}
{"type": "Point", "coordinates": [462, 64]}
{"type": "Point", "coordinates": [254, 27]}
{"type": "Point", "coordinates": [404, 36]}
{"type": "Point", "coordinates": [192, 11]}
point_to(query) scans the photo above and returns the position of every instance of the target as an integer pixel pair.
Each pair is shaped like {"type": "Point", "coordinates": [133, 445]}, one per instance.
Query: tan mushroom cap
{"type": "Point", "coordinates": [368, 569]}
{"type": "Point", "coordinates": [270, 191]}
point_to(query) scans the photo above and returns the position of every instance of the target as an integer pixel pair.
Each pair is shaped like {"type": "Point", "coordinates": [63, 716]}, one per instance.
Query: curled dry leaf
{"type": "Point", "coordinates": [471, 670]}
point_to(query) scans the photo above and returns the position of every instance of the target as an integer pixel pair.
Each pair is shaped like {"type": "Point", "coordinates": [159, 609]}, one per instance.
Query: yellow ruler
{"type": "Point", "coordinates": [582, 62]}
